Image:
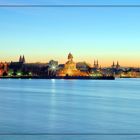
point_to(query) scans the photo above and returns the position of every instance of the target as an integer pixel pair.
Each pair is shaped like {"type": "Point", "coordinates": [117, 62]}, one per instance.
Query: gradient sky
{"type": "Point", "coordinates": [41, 34]}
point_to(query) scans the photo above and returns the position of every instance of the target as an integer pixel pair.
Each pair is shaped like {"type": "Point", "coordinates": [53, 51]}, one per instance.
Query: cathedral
{"type": "Point", "coordinates": [21, 59]}
{"type": "Point", "coordinates": [70, 68]}
{"type": "Point", "coordinates": [117, 66]}
{"type": "Point", "coordinates": [17, 65]}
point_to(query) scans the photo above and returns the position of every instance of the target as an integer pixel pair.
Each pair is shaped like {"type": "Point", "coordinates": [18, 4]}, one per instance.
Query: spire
{"type": "Point", "coordinates": [20, 59]}
{"type": "Point", "coordinates": [94, 62]}
{"type": "Point", "coordinates": [117, 66]}
{"type": "Point", "coordinates": [97, 65]}
{"type": "Point", "coordinates": [23, 59]}
{"type": "Point", "coordinates": [113, 64]}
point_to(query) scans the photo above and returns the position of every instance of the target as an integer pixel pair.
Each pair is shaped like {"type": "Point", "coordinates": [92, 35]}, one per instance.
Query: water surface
{"type": "Point", "coordinates": [70, 107]}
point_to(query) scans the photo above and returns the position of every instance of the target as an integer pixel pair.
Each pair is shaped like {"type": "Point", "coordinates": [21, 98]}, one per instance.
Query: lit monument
{"type": "Point", "coordinates": [70, 68]}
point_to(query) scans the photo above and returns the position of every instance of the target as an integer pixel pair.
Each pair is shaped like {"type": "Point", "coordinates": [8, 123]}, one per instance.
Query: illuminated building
{"type": "Point", "coordinates": [96, 71]}
{"type": "Point", "coordinates": [3, 69]}
{"type": "Point", "coordinates": [83, 66]}
{"type": "Point", "coordinates": [70, 68]}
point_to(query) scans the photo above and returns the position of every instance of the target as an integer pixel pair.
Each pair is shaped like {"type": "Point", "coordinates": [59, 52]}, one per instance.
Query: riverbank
{"type": "Point", "coordinates": [59, 77]}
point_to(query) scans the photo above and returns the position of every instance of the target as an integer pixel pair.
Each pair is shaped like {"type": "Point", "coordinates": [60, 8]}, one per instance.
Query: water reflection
{"type": "Point", "coordinates": [69, 106]}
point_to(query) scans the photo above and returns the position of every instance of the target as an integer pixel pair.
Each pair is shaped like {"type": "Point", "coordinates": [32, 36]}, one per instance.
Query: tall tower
{"type": "Point", "coordinates": [20, 59]}
{"type": "Point", "coordinates": [113, 65]}
{"type": "Point", "coordinates": [23, 59]}
{"type": "Point", "coordinates": [117, 66]}
{"type": "Point", "coordinates": [96, 64]}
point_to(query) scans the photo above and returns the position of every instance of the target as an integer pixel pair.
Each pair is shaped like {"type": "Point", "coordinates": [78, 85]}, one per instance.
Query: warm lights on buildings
{"type": "Point", "coordinates": [70, 68]}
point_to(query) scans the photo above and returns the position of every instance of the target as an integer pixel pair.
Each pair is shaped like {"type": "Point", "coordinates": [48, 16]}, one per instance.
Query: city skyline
{"type": "Point", "coordinates": [42, 34]}
{"type": "Point", "coordinates": [60, 62]}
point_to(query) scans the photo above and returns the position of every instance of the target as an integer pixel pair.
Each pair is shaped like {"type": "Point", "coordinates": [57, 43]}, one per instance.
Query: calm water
{"type": "Point", "coordinates": [70, 107]}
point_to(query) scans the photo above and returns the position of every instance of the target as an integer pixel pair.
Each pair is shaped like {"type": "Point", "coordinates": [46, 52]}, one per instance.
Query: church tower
{"type": "Point", "coordinates": [113, 65]}
{"type": "Point", "coordinates": [20, 59]}
{"type": "Point", "coordinates": [117, 66]}
{"type": "Point", "coordinates": [23, 59]}
{"type": "Point", "coordinates": [96, 64]}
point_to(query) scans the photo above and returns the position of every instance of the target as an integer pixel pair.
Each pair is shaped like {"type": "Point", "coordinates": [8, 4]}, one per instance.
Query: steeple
{"type": "Point", "coordinates": [113, 65]}
{"type": "Point", "coordinates": [100, 67]}
{"type": "Point", "coordinates": [117, 63]}
{"type": "Point", "coordinates": [117, 66]}
{"type": "Point", "coordinates": [97, 64]}
{"type": "Point", "coordinates": [20, 59]}
{"type": "Point", "coordinates": [23, 59]}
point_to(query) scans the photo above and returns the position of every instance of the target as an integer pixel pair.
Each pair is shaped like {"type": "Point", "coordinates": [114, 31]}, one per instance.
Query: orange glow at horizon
{"type": "Point", "coordinates": [103, 62]}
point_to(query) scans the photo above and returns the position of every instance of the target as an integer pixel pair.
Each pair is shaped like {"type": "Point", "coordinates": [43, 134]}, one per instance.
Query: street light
{"type": "Point", "coordinates": [53, 67]}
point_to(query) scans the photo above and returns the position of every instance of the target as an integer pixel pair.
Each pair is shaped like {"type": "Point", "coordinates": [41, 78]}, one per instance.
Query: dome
{"type": "Point", "coordinates": [70, 56]}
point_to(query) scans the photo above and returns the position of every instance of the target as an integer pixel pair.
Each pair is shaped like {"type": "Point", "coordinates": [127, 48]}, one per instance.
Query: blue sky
{"type": "Point", "coordinates": [70, 2]}
{"type": "Point", "coordinates": [41, 34]}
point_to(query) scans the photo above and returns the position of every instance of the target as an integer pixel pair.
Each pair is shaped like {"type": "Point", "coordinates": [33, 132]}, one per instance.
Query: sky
{"type": "Point", "coordinates": [42, 34]}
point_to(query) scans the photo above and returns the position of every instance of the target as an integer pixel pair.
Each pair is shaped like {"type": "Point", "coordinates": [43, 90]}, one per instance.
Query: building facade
{"type": "Point", "coordinates": [70, 68]}
{"type": "Point", "coordinates": [3, 69]}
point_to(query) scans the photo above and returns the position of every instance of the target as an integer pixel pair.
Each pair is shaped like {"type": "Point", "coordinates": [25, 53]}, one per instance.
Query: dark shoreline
{"type": "Point", "coordinates": [59, 77]}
